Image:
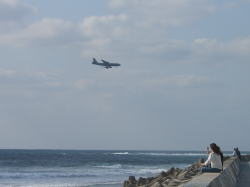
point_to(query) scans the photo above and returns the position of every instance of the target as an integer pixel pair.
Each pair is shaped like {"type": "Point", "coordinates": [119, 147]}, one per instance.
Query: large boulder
{"type": "Point", "coordinates": [141, 181]}
{"type": "Point", "coordinates": [131, 182]}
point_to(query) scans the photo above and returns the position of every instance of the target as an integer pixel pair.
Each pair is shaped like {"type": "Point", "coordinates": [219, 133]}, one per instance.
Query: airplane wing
{"type": "Point", "coordinates": [105, 62]}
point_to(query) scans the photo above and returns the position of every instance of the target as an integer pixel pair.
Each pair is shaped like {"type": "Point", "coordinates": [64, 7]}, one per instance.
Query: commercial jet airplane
{"type": "Point", "coordinates": [104, 63]}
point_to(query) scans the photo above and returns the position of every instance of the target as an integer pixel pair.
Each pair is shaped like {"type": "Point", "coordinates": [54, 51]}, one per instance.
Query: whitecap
{"type": "Point", "coordinates": [173, 154]}
{"type": "Point", "coordinates": [115, 166]}
{"type": "Point", "coordinates": [120, 153]}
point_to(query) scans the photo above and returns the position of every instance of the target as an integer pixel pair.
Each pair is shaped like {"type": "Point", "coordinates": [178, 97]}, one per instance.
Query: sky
{"type": "Point", "coordinates": [183, 82]}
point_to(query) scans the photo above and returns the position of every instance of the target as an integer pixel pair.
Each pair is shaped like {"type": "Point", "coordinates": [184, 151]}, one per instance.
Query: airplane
{"type": "Point", "coordinates": [104, 63]}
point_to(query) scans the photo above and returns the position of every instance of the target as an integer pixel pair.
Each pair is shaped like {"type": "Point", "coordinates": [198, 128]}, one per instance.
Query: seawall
{"type": "Point", "coordinates": [231, 176]}
{"type": "Point", "coordinates": [227, 178]}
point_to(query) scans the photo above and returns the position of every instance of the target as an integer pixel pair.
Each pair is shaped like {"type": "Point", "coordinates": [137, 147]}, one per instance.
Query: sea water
{"type": "Point", "coordinates": [66, 168]}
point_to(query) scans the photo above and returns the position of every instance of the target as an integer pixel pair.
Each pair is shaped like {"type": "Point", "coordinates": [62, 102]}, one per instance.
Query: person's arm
{"type": "Point", "coordinates": [208, 151]}
{"type": "Point", "coordinates": [208, 161]}
{"type": "Point", "coordinates": [234, 153]}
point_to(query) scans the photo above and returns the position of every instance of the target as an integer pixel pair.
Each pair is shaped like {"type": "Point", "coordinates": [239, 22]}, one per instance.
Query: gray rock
{"type": "Point", "coordinates": [132, 180]}
{"type": "Point", "coordinates": [164, 174]}
{"type": "Point", "coordinates": [150, 179]}
{"type": "Point", "coordinates": [157, 184]}
{"type": "Point", "coordinates": [166, 181]}
{"type": "Point", "coordinates": [127, 184]}
{"type": "Point", "coordinates": [172, 177]}
{"type": "Point", "coordinates": [182, 175]}
{"type": "Point", "coordinates": [201, 160]}
{"type": "Point", "coordinates": [141, 181]}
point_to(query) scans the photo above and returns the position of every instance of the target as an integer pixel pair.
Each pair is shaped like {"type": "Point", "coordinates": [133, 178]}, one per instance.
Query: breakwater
{"type": "Point", "coordinates": [172, 177]}
{"type": "Point", "coordinates": [191, 177]}
{"type": "Point", "coordinates": [227, 178]}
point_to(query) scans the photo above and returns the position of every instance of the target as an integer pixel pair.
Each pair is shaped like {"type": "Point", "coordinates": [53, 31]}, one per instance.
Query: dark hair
{"type": "Point", "coordinates": [216, 149]}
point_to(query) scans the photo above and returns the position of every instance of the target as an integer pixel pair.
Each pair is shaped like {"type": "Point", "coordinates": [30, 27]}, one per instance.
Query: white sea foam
{"type": "Point", "coordinates": [46, 185]}
{"type": "Point", "coordinates": [115, 166]}
{"type": "Point", "coordinates": [120, 153]}
{"type": "Point", "coordinates": [67, 185]}
{"type": "Point", "coordinates": [159, 154]}
{"type": "Point", "coordinates": [173, 154]}
{"type": "Point", "coordinates": [44, 175]}
{"type": "Point", "coordinates": [150, 171]}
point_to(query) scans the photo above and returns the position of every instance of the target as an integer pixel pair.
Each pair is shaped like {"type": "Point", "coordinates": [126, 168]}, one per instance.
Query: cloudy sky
{"type": "Point", "coordinates": [183, 83]}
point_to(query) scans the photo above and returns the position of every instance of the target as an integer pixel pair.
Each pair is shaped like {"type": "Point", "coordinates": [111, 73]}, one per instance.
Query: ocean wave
{"type": "Point", "coordinates": [159, 154]}
{"type": "Point", "coordinates": [97, 184]}
{"type": "Point", "coordinates": [120, 153]}
{"type": "Point", "coordinates": [115, 166]}
{"type": "Point", "coordinates": [43, 176]}
{"type": "Point", "coordinates": [62, 153]}
{"type": "Point", "coordinates": [173, 154]}
{"type": "Point", "coordinates": [103, 183]}
{"type": "Point", "coordinates": [150, 171]}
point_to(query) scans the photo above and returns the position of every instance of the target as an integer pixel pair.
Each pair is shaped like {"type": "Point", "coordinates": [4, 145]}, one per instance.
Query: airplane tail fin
{"type": "Point", "coordinates": [94, 61]}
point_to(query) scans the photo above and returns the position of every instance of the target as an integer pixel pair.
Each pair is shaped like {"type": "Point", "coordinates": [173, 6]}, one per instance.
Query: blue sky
{"type": "Point", "coordinates": [183, 82]}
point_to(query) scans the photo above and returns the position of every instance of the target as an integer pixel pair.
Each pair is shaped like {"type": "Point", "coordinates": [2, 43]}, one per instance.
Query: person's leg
{"type": "Point", "coordinates": [210, 170]}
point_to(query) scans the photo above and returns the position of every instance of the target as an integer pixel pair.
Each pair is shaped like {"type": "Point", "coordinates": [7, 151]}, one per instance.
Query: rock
{"type": "Point", "coordinates": [141, 181]}
{"type": "Point", "coordinates": [172, 177]}
{"type": "Point", "coordinates": [171, 171]}
{"type": "Point", "coordinates": [157, 184]}
{"type": "Point", "coordinates": [182, 175]}
{"type": "Point", "coordinates": [150, 179]}
{"type": "Point", "coordinates": [164, 174]}
{"type": "Point", "coordinates": [201, 160]}
{"type": "Point", "coordinates": [164, 185]}
{"type": "Point", "coordinates": [174, 182]}
{"type": "Point", "coordinates": [127, 184]}
{"type": "Point", "coordinates": [131, 182]}
{"type": "Point", "coordinates": [166, 181]}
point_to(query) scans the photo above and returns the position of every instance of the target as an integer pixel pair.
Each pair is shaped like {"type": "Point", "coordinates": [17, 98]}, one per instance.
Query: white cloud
{"type": "Point", "coordinates": [7, 73]}
{"type": "Point", "coordinates": [104, 26]}
{"type": "Point", "coordinates": [240, 46]}
{"type": "Point", "coordinates": [212, 49]}
{"type": "Point", "coordinates": [117, 3]}
{"type": "Point", "coordinates": [103, 33]}
{"type": "Point", "coordinates": [164, 12]}
{"type": "Point", "coordinates": [133, 32]}
{"type": "Point", "coordinates": [82, 83]}
{"type": "Point", "coordinates": [45, 32]}
{"type": "Point", "coordinates": [180, 81]}
{"type": "Point", "coordinates": [54, 84]}
{"type": "Point", "coordinates": [13, 14]}
{"type": "Point", "coordinates": [14, 10]}
{"type": "Point", "coordinates": [28, 80]}
{"type": "Point", "coordinates": [96, 47]}
{"type": "Point", "coordinates": [139, 31]}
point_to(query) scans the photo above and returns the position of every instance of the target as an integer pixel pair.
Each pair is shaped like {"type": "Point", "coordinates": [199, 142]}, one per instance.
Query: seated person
{"type": "Point", "coordinates": [237, 153]}
{"type": "Point", "coordinates": [215, 159]}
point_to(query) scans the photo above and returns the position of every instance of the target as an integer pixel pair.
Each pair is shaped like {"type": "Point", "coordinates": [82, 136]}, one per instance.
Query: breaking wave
{"type": "Point", "coordinates": [173, 154]}
{"type": "Point", "coordinates": [120, 153]}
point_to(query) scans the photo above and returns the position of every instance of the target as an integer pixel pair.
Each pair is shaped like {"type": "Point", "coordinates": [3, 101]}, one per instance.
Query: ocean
{"type": "Point", "coordinates": [68, 168]}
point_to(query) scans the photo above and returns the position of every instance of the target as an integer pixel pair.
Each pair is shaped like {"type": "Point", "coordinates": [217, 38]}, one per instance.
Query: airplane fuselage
{"type": "Point", "coordinates": [104, 63]}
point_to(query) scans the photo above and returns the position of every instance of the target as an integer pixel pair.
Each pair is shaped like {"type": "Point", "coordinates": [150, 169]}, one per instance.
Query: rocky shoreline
{"type": "Point", "coordinates": [172, 177]}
